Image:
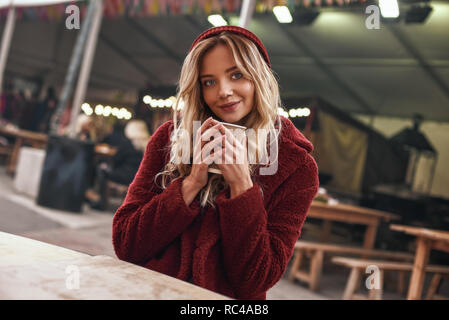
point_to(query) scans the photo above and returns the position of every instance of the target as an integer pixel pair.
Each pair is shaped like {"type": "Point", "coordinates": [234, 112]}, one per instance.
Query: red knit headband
{"type": "Point", "coordinates": [237, 30]}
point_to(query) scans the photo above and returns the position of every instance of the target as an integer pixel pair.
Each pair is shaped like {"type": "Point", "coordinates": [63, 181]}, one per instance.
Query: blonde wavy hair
{"type": "Point", "coordinates": [264, 114]}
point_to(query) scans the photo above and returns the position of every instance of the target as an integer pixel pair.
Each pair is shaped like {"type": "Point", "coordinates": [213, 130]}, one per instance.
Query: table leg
{"type": "Point", "coordinates": [370, 236]}
{"type": "Point", "coordinates": [326, 231]}
{"type": "Point", "coordinates": [352, 284]}
{"type": "Point", "coordinates": [419, 266]}
{"type": "Point", "coordinates": [14, 155]}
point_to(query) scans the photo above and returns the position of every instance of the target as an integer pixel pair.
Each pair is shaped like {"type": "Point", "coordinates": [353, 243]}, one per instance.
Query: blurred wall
{"type": "Point", "coordinates": [436, 132]}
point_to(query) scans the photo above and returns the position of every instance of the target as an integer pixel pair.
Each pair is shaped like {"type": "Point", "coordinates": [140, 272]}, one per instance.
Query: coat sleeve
{"type": "Point", "coordinates": [149, 218]}
{"type": "Point", "coordinates": [257, 244]}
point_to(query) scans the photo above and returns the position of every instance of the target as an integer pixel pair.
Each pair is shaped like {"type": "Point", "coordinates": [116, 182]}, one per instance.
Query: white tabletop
{"type": "Point", "coordinates": [31, 269]}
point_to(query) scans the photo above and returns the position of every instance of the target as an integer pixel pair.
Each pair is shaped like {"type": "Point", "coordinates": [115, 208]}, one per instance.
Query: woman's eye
{"type": "Point", "coordinates": [237, 75]}
{"type": "Point", "coordinates": [208, 83]}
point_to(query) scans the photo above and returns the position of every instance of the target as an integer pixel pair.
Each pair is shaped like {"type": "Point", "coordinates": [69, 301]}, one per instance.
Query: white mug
{"type": "Point", "coordinates": [213, 168]}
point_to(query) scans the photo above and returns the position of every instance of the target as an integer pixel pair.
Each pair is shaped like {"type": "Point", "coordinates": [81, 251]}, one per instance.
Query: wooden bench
{"type": "Point", "coordinates": [315, 251]}
{"type": "Point", "coordinates": [359, 267]}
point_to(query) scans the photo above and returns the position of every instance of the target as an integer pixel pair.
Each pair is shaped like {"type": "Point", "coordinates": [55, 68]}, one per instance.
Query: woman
{"type": "Point", "coordinates": [232, 233]}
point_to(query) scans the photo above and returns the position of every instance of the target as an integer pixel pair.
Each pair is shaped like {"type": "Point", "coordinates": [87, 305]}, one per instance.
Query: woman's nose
{"type": "Point", "coordinates": [225, 89]}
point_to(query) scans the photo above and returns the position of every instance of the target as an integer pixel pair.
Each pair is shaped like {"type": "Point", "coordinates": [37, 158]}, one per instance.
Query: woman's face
{"type": "Point", "coordinates": [225, 91]}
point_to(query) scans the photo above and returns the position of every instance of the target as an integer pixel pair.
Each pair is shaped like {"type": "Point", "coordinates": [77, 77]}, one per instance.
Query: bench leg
{"type": "Point", "coordinates": [419, 266]}
{"type": "Point", "coordinates": [316, 268]}
{"type": "Point", "coordinates": [352, 284]}
{"type": "Point", "coordinates": [434, 286]}
{"type": "Point", "coordinates": [376, 294]}
{"type": "Point", "coordinates": [296, 265]}
{"type": "Point", "coordinates": [401, 282]}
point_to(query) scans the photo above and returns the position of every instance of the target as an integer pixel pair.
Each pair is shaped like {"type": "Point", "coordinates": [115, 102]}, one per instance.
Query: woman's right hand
{"type": "Point", "coordinates": [199, 174]}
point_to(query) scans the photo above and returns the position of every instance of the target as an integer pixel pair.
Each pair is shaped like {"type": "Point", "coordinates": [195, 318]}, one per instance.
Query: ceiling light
{"type": "Point", "coordinates": [389, 8]}
{"type": "Point", "coordinates": [217, 20]}
{"type": "Point", "coordinates": [99, 109]}
{"type": "Point", "coordinates": [107, 111]}
{"type": "Point", "coordinates": [282, 14]}
{"type": "Point", "coordinates": [173, 101]}
{"type": "Point", "coordinates": [147, 99]}
{"type": "Point", "coordinates": [306, 112]}
{"type": "Point", "coordinates": [282, 112]}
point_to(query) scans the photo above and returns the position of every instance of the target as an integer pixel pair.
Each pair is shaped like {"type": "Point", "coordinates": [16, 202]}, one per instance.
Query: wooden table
{"type": "Point", "coordinates": [31, 269]}
{"type": "Point", "coordinates": [39, 140]}
{"type": "Point", "coordinates": [106, 150]}
{"type": "Point", "coordinates": [427, 239]}
{"type": "Point", "coordinates": [35, 139]}
{"type": "Point", "coordinates": [350, 214]}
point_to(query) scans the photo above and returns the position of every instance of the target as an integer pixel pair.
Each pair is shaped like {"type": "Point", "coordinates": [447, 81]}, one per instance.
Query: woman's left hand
{"type": "Point", "coordinates": [234, 166]}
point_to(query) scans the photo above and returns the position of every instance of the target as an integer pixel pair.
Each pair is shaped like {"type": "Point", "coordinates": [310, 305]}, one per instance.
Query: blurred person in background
{"type": "Point", "coordinates": [28, 110]}
{"type": "Point", "coordinates": [85, 128]}
{"type": "Point", "coordinates": [9, 104]}
{"type": "Point", "coordinates": [45, 111]}
{"type": "Point", "coordinates": [125, 163]}
{"type": "Point", "coordinates": [117, 136]}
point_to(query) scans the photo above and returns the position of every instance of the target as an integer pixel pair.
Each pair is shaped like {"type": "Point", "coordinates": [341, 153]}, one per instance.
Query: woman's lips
{"type": "Point", "coordinates": [230, 107]}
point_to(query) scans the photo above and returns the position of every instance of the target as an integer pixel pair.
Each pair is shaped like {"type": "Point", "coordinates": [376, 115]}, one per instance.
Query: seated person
{"type": "Point", "coordinates": [117, 135]}
{"type": "Point", "coordinates": [85, 128]}
{"type": "Point", "coordinates": [125, 163]}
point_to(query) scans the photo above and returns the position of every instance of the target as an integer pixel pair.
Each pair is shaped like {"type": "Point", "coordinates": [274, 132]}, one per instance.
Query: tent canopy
{"type": "Point", "coordinates": [399, 70]}
{"type": "Point", "coordinates": [31, 3]}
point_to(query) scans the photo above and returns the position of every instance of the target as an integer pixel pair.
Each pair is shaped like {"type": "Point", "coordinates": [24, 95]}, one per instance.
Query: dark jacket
{"type": "Point", "coordinates": [125, 163]}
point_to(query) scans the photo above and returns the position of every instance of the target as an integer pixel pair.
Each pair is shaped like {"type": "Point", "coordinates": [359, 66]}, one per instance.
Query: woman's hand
{"type": "Point", "coordinates": [234, 160]}
{"type": "Point", "coordinates": [198, 176]}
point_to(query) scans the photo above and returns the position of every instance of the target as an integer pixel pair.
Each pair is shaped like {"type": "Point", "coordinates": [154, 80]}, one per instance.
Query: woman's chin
{"type": "Point", "coordinates": [234, 119]}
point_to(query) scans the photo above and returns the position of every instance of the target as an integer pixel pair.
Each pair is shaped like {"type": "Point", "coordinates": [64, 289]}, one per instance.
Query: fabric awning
{"type": "Point", "coordinates": [31, 3]}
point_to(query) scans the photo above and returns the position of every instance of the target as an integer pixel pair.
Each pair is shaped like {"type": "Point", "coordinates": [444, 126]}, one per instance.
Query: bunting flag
{"type": "Point", "coordinates": [142, 8]}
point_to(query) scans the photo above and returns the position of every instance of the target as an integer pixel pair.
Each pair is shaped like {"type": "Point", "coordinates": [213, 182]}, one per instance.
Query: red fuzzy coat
{"type": "Point", "coordinates": [241, 248]}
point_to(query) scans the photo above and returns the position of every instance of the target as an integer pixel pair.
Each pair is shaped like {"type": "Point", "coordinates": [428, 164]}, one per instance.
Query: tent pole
{"type": "Point", "coordinates": [73, 69]}
{"type": "Point", "coordinates": [86, 67]}
{"type": "Point", "coordinates": [6, 42]}
{"type": "Point", "coordinates": [246, 13]}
